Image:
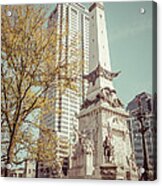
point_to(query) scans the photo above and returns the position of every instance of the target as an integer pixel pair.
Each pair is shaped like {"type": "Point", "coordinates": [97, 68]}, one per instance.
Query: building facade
{"type": "Point", "coordinates": [144, 104]}
{"type": "Point", "coordinates": [71, 23]}
{"type": "Point", "coordinates": [4, 146]}
{"type": "Point", "coordinates": [25, 170]}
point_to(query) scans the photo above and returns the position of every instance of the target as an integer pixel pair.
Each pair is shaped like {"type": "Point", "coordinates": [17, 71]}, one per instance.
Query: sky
{"type": "Point", "coordinates": [130, 43]}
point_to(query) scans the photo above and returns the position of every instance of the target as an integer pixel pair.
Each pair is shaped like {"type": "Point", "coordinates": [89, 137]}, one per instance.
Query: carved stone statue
{"type": "Point", "coordinates": [88, 148]}
{"type": "Point", "coordinates": [107, 149]}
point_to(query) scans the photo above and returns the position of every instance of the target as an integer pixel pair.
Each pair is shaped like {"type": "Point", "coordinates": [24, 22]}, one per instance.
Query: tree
{"type": "Point", "coordinates": [29, 68]}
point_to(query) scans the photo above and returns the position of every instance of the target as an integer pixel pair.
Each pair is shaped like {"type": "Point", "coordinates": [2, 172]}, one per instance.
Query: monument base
{"type": "Point", "coordinates": [108, 171]}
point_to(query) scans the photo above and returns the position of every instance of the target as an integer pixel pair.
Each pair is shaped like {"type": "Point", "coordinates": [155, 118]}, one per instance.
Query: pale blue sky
{"type": "Point", "coordinates": [130, 42]}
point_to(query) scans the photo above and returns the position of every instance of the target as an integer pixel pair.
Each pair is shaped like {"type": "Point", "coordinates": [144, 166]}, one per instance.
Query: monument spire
{"type": "Point", "coordinates": [100, 75]}
{"type": "Point", "coordinates": [99, 48]}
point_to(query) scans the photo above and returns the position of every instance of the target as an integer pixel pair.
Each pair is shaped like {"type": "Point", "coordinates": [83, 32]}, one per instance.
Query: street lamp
{"type": "Point", "coordinates": [141, 117]}
{"type": "Point", "coordinates": [143, 130]}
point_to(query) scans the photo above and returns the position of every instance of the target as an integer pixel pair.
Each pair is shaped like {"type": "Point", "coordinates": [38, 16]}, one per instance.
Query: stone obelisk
{"type": "Point", "coordinates": [104, 141]}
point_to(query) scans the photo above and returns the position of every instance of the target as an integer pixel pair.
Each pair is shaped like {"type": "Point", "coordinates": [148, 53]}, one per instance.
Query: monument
{"type": "Point", "coordinates": [103, 150]}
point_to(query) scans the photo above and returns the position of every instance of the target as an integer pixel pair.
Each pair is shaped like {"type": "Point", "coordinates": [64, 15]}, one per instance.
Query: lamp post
{"type": "Point", "coordinates": [145, 163]}
{"type": "Point", "coordinates": [141, 117]}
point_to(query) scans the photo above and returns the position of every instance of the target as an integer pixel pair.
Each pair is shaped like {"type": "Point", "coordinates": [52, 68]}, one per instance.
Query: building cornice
{"type": "Point", "coordinates": [103, 106]}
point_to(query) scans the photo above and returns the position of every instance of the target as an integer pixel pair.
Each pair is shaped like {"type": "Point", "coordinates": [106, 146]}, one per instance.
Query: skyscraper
{"type": "Point", "coordinates": [71, 23]}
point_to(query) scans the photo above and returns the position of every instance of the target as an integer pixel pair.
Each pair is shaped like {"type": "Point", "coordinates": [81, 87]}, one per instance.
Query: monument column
{"type": "Point", "coordinates": [102, 115]}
